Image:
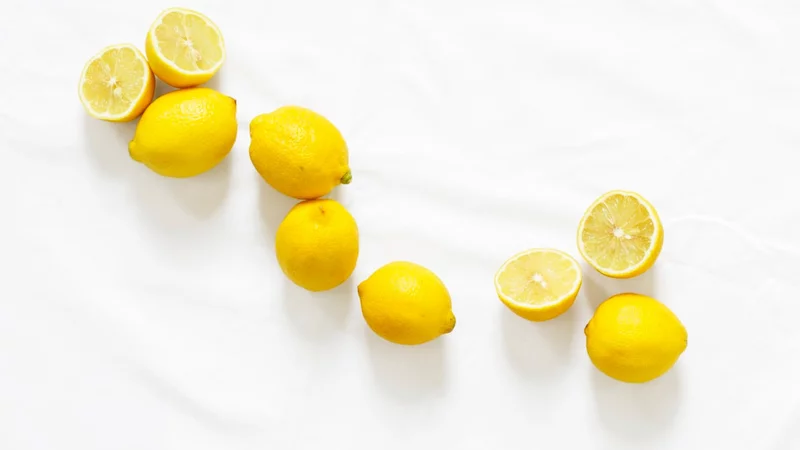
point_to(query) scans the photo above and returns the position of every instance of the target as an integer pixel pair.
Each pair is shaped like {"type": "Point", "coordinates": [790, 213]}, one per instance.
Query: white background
{"type": "Point", "coordinates": [140, 312]}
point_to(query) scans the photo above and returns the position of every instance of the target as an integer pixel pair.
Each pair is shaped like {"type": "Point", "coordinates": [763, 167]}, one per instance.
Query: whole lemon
{"type": "Point", "coordinates": [406, 303]}
{"type": "Point", "coordinates": [317, 244]}
{"type": "Point", "coordinates": [634, 338]}
{"type": "Point", "coordinates": [299, 152]}
{"type": "Point", "coordinates": [185, 133]}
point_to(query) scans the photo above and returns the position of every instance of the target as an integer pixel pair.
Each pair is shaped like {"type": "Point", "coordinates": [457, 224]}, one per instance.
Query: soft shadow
{"type": "Point", "coordinates": [273, 207]}
{"type": "Point", "coordinates": [215, 82]}
{"type": "Point", "coordinates": [162, 88]}
{"type": "Point", "coordinates": [318, 315]}
{"type": "Point", "coordinates": [199, 196]}
{"type": "Point", "coordinates": [597, 287]}
{"type": "Point", "coordinates": [202, 195]}
{"type": "Point", "coordinates": [339, 193]}
{"type": "Point", "coordinates": [409, 374]}
{"type": "Point", "coordinates": [538, 350]}
{"type": "Point", "coordinates": [637, 412]}
{"type": "Point", "coordinates": [106, 144]}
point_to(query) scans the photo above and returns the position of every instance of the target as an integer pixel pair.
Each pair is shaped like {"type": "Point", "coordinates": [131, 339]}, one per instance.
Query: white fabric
{"type": "Point", "coordinates": [140, 312]}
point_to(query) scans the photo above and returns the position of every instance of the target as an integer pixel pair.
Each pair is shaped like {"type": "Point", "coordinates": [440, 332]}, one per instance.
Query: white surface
{"type": "Point", "coordinates": [139, 312]}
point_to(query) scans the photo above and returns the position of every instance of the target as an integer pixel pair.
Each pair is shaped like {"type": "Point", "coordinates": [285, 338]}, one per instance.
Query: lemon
{"type": "Point", "coordinates": [298, 152]}
{"type": "Point", "coordinates": [620, 235]}
{"type": "Point", "coordinates": [185, 133]}
{"type": "Point", "coordinates": [538, 284]}
{"type": "Point", "coordinates": [406, 303]}
{"type": "Point", "coordinates": [184, 47]}
{"type": "Point", "coordinates": [634, 338]}
{"type": "Point", "coordinates": [317, 244]}
{"type": "Point", "coordinates": [116, 84]}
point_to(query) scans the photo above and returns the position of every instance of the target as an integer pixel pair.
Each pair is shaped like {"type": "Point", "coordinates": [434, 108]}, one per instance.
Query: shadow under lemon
{"type": "Point", "coordinates": [539, 350]}
{"type": "Point", "coordinates": [597, 287]}
{"type": "Point", "coordinates": [318, 315]}
{"type": "Point", "coordinates": [408, 373]}
{"type": "Point", "coordinates": [273, 207]}
{"type": "Point", "coordinates": [637, 411]}
{"type": "Point", "coordinates": [107, 145]}
{"type": "Point", "coordinates": [199, 196]}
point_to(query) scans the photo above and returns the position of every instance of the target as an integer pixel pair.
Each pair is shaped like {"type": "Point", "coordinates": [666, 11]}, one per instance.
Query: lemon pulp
{"type": "Point", "coordinates": [117, 84]}
{"type": "Point", "coordinates": [185, 48]}
{"type": "Point", "coordinates": [620, 235]}
{"type": "Point", "coordinates": [539, 284]}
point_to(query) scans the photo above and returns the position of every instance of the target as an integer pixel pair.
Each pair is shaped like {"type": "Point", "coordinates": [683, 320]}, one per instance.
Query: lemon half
{"type": "Point", "coordinates": [116, 84]}
{"type": "Point", "coordinates": [539, 284]}
{"type": "Point", "coordinates": [184, 47]}
{"type": "Point", "coordinates": [620, 234]}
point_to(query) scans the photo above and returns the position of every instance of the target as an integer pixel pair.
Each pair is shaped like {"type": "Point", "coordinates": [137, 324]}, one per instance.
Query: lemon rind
{"type": "Point", "coordinates": [569, 296]}
{"type": "Point", "coordinates": [646, 261]}
{"type": "Point", "coordinates": [126, 114]}
{"type": "Point", "coordinates": [156, 47]}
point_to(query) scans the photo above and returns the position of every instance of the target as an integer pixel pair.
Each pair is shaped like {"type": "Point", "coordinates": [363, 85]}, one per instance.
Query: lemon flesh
{"type": "Point", "coordinates": [317, 244]}
{"type": "Point", "coordinates": [634, 338]}
{"type": "Point", "coordinates": [406, 304]}
{"type": "Point", "coordinates": [620, 235]}
{"type": "Point", "coordinates": [299, 152]}
{"type": "Point", "coordinates": [116, 84]}
{"type": "Point", "coordinates": [539, 284]}
{"type": "Point", "coordinates": [185, 48]}
{"type": "Point", "coordinates": [186, 132]}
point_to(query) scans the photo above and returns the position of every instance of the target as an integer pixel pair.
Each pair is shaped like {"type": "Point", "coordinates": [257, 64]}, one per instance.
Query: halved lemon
{"type": "Point", "coordinates": [184, 47]}
{"type": "Point", "coordinates": [116, 84]}
{"type": "Point", "coordinates": [539, 284]}
{"type": "Point", "coordinates": [620, 235]}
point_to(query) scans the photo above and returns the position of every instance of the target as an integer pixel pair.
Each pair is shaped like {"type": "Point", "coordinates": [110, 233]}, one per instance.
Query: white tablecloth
{"type": "Point", "coordinates": [140, 312]}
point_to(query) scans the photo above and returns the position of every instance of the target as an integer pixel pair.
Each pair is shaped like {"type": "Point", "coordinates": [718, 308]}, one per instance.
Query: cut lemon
{"type": "Point", "coordinates": [116, 84]}
{"type": "Point", "coordinates": [620, 235]}
{"type": "Point", "coordinates": [539, 284]}
{"type": "Point", "coordinates": [184, 47]}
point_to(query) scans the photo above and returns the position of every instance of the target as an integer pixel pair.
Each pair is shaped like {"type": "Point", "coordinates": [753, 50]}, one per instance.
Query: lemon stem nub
{"type": "Point", "coordinates": [347, 178]}
{"type": "Point", "coordinates": [132, 151]}
{"type": "Point", "coordinates": [451, 324]}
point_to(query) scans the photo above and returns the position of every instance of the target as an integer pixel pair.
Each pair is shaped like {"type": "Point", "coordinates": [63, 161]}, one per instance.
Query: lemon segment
{"type": "Point", "coordinates": [185, 48]}
{"type": "Point", "coordinates": [539, 284]}
{"type": "Point", "coordinates": [620, 235]}
{"type": "Point", "coordinates": [116, 84]}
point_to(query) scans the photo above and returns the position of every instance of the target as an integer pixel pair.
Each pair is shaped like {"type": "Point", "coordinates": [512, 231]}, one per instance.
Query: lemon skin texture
{"type": "Point", "coordinates": [185, 133]}
{"type": "Point", "coordinates": [299, 152]}
{"type": "Point", "coordinates": [406, 304]}
{"type": "Point", "coordinates": [634, 338]}
{"type": "Point", "coordinates": [317, 244]}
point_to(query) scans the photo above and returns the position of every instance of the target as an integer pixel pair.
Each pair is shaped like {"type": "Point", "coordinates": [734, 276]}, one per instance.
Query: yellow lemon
{"type": "Point", "coordinates": [299, 152]}
{"type": "Point", "coordinates": [539, 284]}
{"type": "Point", "coordinates": [184, 47]}
{"type": "Point", "coordinates": [185, 133]}
{"type": "Point", "coordinates": [634, 338]}
{"type": "Point", "coordinates": [620, 235]}
{"type": "Point", "coordinates": [116, 84]}
{"type": "Point", "coordinates": [406, 303]}
{"type": "Point", "coordinates": [317, 244]}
